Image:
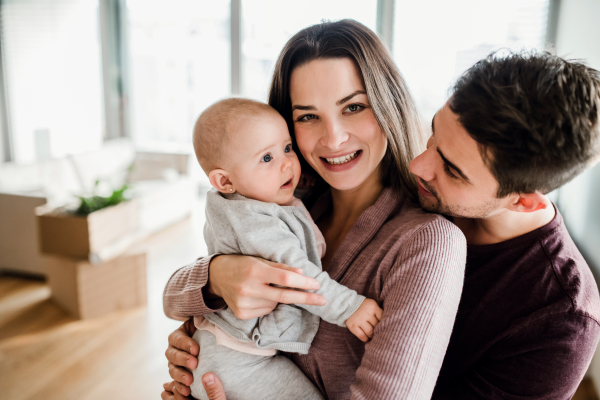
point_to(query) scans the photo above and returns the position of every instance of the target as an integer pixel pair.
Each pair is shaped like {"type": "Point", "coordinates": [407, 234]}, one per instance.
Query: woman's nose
{"type": "Point", "coordinates": [334, 135]}
{"type": "Point", "coordinates": [423, 166]}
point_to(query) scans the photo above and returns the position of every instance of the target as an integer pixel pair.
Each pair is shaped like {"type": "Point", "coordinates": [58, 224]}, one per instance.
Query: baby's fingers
{"type": "Point", "coordinates": [373, 319]}
{"type": "Point", "coordinates": [367, 328]}
{"type": "Point", "coordinates": [378, 314]}
{"type": "Point", "coordinates": [356, 331]}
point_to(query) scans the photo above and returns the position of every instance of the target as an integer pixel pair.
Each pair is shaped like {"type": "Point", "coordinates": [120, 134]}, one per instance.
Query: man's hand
{"type": "Point", "coordinates": [364, 320]}
{"type": "Point", "coordinates": [181, 353]}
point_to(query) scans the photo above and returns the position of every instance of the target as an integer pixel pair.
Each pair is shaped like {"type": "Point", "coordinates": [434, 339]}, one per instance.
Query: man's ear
{"type": "Point", "coordinates": [219, 179]}
{"type": "Point", "coordinates": [528, 202]}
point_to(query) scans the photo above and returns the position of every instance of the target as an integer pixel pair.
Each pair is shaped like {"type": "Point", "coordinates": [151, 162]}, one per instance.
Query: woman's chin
{"type": "Point", "coordinates": [344, 183]}
{"type": "Point", "coordinates": [352, 179]}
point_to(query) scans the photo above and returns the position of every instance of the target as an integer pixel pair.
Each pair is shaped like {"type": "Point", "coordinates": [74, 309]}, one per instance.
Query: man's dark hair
{"type": "Point", "coordinates": [535, 117]}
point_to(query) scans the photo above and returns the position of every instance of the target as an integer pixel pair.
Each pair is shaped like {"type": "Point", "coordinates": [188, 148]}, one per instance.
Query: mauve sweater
{"type": "Point", "coordinates": [409, 261]}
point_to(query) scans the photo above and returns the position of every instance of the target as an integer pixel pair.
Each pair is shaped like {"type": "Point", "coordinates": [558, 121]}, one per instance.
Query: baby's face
{"type": "Point", "coordinates": [263, 165]}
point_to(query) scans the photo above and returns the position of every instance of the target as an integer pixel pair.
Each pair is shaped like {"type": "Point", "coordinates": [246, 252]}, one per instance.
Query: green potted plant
{"type": "Point", "coordinates": [87, 229]}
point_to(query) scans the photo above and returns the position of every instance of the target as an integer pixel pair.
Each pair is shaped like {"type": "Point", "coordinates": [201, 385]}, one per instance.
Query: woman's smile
{"type": "Point", "coordinates": [344, 163]}
{"type": "Point", "coordinates": [342, 159]}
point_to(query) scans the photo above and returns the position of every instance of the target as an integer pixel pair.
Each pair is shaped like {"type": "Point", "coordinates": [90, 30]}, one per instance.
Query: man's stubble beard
{"type": "Point", "coordinates": [436, 205]}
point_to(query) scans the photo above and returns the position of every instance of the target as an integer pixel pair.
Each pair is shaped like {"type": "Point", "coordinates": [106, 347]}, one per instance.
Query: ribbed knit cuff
{"type": "Point", "coordinates": [351, 310]}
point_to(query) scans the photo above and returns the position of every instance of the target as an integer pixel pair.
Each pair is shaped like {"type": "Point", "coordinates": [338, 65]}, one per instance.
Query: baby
{"type": "Point", "coordinates": [245, 149]}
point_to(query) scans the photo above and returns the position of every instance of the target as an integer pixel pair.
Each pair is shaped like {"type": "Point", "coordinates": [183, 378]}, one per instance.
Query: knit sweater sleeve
{"type": "Point", "coordinates": [184, 297]}
{"type": "Point", "coordinates": [420, 299]}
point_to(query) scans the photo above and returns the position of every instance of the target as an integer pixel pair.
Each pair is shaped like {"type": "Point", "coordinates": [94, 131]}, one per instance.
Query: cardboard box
{"type": "Point", "coordinates": [86, 290]}
{"type": "Point", "coordinates": [65, 234]}
{"type": "Point", "coordinates": [19, 247]}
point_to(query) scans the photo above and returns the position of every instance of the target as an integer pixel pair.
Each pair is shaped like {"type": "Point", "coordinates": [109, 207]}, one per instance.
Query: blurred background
{"type": "Point", "coordinates": [95, 94]}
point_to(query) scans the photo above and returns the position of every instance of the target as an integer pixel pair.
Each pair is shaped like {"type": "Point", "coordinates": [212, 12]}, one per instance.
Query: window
{"type": "Point", "coordinates": [51, 54]}
{"type": "Point", "coordinates": [179, 59]}
{"type": "Point", "coordinates": [268, 24]}
{"type": "Point", "coordinates": [436, 41]}
{"type": "Point", "coordinates": [180, 56]}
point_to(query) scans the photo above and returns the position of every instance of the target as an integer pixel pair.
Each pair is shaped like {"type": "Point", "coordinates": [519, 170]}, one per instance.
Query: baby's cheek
{"type": "Point", "coordinates": [303, 142]}
{"type": "Point", "coordinates": [297, 168]}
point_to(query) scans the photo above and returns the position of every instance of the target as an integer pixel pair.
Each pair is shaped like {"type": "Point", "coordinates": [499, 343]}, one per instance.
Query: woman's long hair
{"type": "Point", "coordinates": [388, 94]}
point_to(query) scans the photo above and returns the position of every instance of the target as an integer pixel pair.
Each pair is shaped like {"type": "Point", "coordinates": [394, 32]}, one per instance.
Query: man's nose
{"type": "Point", "coordinates": [423, 166]}
{"type": "Point", "coordinates": [334, 135]}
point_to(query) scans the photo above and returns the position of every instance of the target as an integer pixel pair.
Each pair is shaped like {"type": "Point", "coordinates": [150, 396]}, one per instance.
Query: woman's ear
{"type": "Point", "coordinates": [528, 202]}
{"type": "Point", "coordinates": [219, 179]}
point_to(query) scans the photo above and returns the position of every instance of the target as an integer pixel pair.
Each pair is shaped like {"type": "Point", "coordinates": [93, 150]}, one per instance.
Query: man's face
{"type": "Point", "coordinates": [452, 177]}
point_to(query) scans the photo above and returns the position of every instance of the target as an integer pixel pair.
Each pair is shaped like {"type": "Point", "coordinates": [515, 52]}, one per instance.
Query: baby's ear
{"type": "Point", "coordinates": [219, 179]}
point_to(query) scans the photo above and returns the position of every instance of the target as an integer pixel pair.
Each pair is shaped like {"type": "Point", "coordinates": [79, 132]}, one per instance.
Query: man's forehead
{"type": "Point", "coordinates": [457, 145]}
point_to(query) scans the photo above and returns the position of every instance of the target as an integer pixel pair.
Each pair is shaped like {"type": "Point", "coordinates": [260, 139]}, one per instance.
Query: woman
{"type": "Point", "coordinates": [356, 127]}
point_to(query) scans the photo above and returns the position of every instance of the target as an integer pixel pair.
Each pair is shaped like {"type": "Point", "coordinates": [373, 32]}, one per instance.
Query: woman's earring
{"type": "Point", "coordinates": [231, 189]}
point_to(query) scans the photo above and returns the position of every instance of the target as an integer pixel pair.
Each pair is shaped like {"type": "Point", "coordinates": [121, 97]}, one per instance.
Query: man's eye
{"type": "Point", "coordinates": [288, 148]}
{"type": "Point", "coordinates": [266, 158]}
{"type": "Point", "coordinates": [448, 172]}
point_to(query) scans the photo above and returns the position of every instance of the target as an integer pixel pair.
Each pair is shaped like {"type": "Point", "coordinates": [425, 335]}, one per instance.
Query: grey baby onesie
{"type": "Point", "coordinates": [283, 234]}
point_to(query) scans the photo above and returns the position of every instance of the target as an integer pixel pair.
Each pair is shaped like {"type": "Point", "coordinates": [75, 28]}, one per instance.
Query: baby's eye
{"type": "Point", "coordinates": [266, 158]}
{"type": "Point", "coordinates": [288, 148]}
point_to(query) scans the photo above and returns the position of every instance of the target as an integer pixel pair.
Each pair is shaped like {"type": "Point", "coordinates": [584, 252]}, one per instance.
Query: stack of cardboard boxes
{"type": "Point", "coordinates": [84, 281]}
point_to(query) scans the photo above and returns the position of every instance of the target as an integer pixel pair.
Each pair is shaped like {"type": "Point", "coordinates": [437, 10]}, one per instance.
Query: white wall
{"type": "Point", "coordinates": [579, 30]}
{"type": "Point", "coordinates": [578, 36]}
{"type": "Point", "coordinates": [2, 133]}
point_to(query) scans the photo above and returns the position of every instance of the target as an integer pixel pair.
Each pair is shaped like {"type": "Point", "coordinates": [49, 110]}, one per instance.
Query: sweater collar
{"type": "Point", "coordinates": [364, 229]}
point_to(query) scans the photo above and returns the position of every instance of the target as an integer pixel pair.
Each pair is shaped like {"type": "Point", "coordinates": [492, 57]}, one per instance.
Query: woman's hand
{"type": "Point", "coordinates": [182, 352]}
{"type": "Point", "coordinates": [212, 385]}
{"type": "Point", "coordinates": [244, 283]}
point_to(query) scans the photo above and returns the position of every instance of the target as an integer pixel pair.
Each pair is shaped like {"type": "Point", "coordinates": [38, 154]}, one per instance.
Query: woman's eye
{"type": "Point", "coordinates": [288, 148]}
{"type": "Point", "coordinates": [354, 108]}
{"type": "Point", "coordinates": [306, 117]}
{"type": "Point", "coordinates": [266, 158]}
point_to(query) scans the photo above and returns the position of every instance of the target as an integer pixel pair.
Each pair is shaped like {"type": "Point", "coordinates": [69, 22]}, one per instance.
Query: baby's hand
{"type": "Point", "coordinates": [362, 322]}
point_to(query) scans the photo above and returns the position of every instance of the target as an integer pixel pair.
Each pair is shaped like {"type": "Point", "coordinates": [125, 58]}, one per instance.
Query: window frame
{"type": "Point", "coordinates": [114, 46]}
{"type": "Point", "coordinates": [6, 147]}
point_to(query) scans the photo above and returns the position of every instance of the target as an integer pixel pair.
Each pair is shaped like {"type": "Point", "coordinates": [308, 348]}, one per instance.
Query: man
{"type": "Point", "coordinates": [515, 128]}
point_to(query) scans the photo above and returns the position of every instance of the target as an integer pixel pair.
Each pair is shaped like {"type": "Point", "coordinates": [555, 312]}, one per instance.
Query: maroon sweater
{"type": "Point", "coordinates": [527, 324]}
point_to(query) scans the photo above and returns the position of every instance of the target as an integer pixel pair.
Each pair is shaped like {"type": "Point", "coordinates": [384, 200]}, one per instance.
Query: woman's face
{"type": "Point", "coordinates": [336, 130]}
